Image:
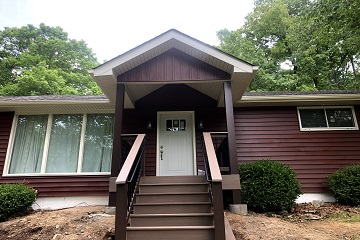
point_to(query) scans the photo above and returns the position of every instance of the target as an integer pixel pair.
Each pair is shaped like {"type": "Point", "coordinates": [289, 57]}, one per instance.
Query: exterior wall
{"type": "Point", "coordinates": [273, 133]}
{"type": "Point", "coordinates": [261, 133]}
{"type": "Point", "coordinates": [59, 186]}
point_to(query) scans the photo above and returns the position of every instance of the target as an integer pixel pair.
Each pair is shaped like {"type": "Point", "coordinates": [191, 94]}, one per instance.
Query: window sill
{"type": "Point", "coordinates": [57, 174]}
{"type": "Point", "coordinates": [329, 129]}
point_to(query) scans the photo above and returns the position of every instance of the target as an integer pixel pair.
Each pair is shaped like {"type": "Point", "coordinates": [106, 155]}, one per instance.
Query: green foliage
{"type": "Point", "coordinates": [268, 186]}
{"type": "Point", "coordinates": [319, 41]}
{"type": "Point", "coordinates": [345, 185]}
{"type": "Point", "coordinates": [347, 217]}
{"type": "Point", "coordinates": [15, 199]}
{"type": "Point", "coordinates": [44, 61]}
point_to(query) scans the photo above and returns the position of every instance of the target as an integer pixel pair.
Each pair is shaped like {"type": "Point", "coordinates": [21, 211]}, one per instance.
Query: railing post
{"type": "Point", "coordinates": [218, 211]}
{"type": "Point", "coordinates": [121, 212]}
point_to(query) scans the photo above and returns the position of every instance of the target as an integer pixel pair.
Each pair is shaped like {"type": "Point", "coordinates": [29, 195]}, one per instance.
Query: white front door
{"type": "Point", "coordinates": [175, 149]}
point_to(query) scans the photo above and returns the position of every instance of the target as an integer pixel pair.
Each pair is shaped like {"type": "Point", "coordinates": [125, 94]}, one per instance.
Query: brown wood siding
{"type": "Point", "coordinates": [61, 186]}
{"type": "Point", "coordinates": [274, 133]}
{"type": "Point", "coordinates": [173, 65]}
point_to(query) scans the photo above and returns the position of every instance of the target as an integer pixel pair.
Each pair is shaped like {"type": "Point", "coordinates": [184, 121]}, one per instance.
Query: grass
{"type": "Point", "coordinates": [347, 217]}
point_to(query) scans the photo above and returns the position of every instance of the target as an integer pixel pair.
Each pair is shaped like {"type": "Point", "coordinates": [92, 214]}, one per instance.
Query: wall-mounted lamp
{"type": "Point", "coordinates": [149, 125]}
{"type": "Point", "coordinates": [200, 124]}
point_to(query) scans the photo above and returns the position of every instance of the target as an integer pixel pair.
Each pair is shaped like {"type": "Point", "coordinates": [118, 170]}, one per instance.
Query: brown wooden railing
{"type": "Point", "coordinates": [214, 178]}
{"type": "Point", "coordinates": [127, 185]}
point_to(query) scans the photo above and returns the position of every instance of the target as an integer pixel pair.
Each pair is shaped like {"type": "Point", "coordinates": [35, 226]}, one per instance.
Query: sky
{"type": "Point", "coordinates": [112, 27]}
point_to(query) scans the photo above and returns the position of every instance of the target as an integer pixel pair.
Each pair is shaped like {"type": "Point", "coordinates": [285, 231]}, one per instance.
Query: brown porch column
{"type": "Point", "coordinates": [116, 154]}
{"type": "Point", "coordinates": [231, 136]}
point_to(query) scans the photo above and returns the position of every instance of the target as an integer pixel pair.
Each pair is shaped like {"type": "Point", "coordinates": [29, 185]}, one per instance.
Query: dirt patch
{"type": "Point", "coordinates": [93, 223]}
{"type": "Point", "coordinates": [306, 221]}
{"type": "Point", "coordinates": [69, 224]}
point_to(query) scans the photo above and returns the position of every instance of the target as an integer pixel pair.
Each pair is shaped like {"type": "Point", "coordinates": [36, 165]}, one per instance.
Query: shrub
{"type": "Point", "coordinates": [345, 185]}
{"type": "Point", "coordinates": [268, 186]}
{"type": "Point", "coordinates": [15, 199]}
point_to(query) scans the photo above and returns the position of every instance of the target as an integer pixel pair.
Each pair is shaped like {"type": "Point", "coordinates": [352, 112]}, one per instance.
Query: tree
{"type": "Point", "coordinates": [44, 61]}
{"type": "Point", "coordinates": [317, 40]}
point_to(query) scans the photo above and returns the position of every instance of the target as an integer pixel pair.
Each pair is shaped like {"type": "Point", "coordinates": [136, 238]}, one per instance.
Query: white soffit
{"type": "Point", "coordinates": [299, 100]}
{"type": "Point", "coordinates": [57, 107]}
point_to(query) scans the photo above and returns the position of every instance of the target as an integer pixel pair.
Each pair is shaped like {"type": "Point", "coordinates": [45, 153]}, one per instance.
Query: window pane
{"type": "Point", "coordinates": [340, 117]}
{"type": "Point", "coordinates": [312, 118]}
{"type": "Point", "coordinates": [64, 144]}
{"type": "Point", "coordinates": [98, 143]}
{"type": "Point", "coordinates": [28, 144]}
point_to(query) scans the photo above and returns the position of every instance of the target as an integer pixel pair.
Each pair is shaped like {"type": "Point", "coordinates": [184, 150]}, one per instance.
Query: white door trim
{"type": "Point", "coordinates": [158, 138]}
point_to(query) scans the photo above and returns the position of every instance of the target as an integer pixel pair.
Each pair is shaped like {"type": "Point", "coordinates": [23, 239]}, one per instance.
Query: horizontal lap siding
{"type": "Point", "coordinates": [61, 186]}
{"type": "Point", "coordinates": [214, 121]}
{"type": "Point", "coordinates": [273, 133]}
{"type": "Point", "coordinates": [135, 123]}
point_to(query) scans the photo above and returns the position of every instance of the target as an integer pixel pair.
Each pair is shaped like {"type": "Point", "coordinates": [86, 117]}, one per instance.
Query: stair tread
{"type": "Point", "coordinates": [173, 203]}
{"type": "Point", "coordinates": [170, 184]}
{"type": "Point", "coordinates": [172, 215]}
{"type": "Point", "coordinates": [156, 228]}
{"type": "Point", "coordinates": [172, 193]}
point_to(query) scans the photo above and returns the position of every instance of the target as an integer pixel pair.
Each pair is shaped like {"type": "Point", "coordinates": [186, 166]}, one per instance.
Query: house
{"type": "Point", "coordinates": [168, 101]}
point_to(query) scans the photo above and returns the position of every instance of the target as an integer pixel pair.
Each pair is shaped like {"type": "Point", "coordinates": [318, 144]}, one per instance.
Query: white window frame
{"type": "Point", "coordinates": [46, 146]}
{"type": "Point", "coordinates": [356, 127]}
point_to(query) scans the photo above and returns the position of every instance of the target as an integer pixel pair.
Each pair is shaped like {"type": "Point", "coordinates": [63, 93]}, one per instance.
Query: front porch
{"type": "Point", "coordinates": [175, 90]}
{"type": "Point", "coordinates": [171, 207]}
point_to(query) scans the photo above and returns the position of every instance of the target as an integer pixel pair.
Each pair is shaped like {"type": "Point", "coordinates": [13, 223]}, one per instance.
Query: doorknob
{"type": "Point", "coordinates": [161, 154]}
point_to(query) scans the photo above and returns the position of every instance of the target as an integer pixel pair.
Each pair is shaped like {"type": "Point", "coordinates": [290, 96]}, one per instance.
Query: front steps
{"type": "Point", "coordinates": [172, 208]}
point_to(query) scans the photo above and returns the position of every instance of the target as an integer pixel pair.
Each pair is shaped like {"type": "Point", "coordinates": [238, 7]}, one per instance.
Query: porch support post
{"type": "Point", "coordinates": [228, 100]}
{"type": "Point", "coordinates": [116, 162]}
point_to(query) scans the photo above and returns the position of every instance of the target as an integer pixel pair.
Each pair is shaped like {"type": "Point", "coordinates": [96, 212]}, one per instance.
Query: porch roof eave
{"type": "Point", "coordinates": [240, 71]}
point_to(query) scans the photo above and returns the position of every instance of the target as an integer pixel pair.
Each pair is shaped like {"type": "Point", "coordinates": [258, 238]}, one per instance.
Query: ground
{"type": "Point", "coordinates": [307, 221]}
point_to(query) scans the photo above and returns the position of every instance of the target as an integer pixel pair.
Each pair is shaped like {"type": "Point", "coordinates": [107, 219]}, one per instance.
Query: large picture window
{"type": "Point", "coordinates": [62, 143]}
{"type": "Point", "coordinates": [327, 118]}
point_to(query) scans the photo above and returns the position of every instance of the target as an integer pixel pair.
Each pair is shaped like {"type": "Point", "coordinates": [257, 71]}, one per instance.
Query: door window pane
{"type": "Point", "coordinates": [28, 146]}
{"type": "Point", "coordinates": [64, 144]}
{"type": "Point", "coordinates": [98, 143]}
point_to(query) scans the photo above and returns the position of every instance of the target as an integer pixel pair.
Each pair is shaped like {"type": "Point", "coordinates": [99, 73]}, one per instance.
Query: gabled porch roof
{"type": "Point", "coordinates": [106, 75]}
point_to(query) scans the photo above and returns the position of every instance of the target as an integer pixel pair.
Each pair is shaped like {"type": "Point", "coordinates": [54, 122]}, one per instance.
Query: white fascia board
{"type": "Point", "coordinates": [51, 102]}
{"type": "Point", "coordinates": [133, 53]}
{"type": "Point", "coordinates": [239, 65]}
{"type": "Point", "coordinates": [306, 98]}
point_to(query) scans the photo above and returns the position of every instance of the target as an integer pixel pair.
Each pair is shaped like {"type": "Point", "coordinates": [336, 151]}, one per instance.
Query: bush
{"type": "Point", "coordinates": [15, 199]}
{"type": "Point", "coordinates": [345, 185]}
{"type": "Point", "coordinates": [268, 186]}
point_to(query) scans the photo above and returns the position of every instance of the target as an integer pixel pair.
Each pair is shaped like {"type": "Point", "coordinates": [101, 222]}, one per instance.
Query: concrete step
{"type": "Point", "coordinates": [179, 219]}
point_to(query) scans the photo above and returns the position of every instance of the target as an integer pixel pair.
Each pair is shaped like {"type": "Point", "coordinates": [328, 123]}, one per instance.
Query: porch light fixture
{"type": "Point", "coordinates": [200, 124]}
{"type": "Point", "coordinates": [149, 125]}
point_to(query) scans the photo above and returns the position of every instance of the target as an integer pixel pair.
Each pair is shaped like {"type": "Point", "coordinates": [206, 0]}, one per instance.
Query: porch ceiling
{"type": "Point", "coordinates": [211, 89]}
{"type": "Point", "coordinates": [240, 71]}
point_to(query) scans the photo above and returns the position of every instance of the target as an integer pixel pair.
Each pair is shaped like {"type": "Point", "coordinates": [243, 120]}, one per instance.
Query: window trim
{"type": "Point", "coordinates": [356, 127]}
{"type": "Point", "coordinates": [46, 147]}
